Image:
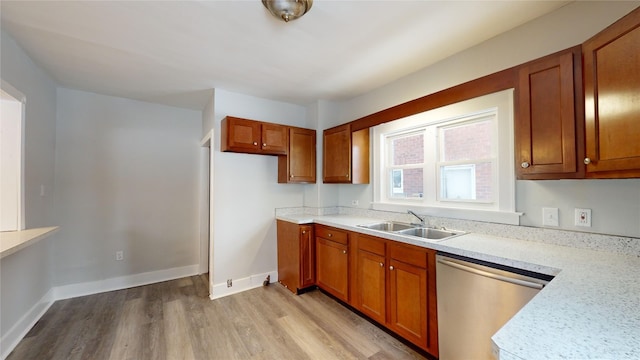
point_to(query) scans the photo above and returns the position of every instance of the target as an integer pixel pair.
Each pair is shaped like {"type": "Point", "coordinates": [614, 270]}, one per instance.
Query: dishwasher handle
{"type": "Point", "coordinates": [491, 275]}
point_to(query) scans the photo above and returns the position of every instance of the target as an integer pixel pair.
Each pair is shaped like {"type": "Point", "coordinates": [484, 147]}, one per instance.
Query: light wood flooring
{"type": "Point", "coordinates": [177, 320]}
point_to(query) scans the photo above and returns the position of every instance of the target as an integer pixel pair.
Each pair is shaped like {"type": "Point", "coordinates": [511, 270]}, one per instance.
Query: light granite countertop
{"type": "Point", "coordinates": [590, 310]}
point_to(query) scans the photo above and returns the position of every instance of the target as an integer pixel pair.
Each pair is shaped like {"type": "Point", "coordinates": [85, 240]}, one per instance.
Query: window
{"type": "Point", "coordinates": [11, 150]}
{"type": "Point", "coordinates": [455, 161]}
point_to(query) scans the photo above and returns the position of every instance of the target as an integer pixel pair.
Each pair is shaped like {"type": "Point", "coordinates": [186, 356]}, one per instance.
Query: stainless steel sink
{"type": "Point", "coordinates": [401, 228]}
{"type": "Point", "coordinates": [429, 233]}
{"type": "Point", "coordinates": [390, 226]}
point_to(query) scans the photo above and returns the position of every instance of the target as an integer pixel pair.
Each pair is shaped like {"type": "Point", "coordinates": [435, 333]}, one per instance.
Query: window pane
{"type": "Point", "coordinates": [466, 142]}
{"type": "Point", "coordinates": [406, 183]}
{"type": "Point", "coordinates": [407, 150]}
{"type": "Point", "coordinates": [466, 182]}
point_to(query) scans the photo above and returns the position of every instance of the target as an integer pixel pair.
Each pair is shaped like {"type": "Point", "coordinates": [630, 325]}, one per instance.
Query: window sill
{"type": "Point", "coordinates": [13, 241]}
{"type": "Point", "coordinates": [493, 216]}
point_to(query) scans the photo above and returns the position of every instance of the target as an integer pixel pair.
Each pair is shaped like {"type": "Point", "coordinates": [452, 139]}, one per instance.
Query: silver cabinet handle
{"type": "Point", "coordinates": [525, 165]}
{"type": "Point", "coordinates": [587, 161]}
{"type": "Point", "coordinates": [391, 267]}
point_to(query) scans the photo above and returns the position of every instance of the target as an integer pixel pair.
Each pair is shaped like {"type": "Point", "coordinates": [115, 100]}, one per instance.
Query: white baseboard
{"type": "Point", "coordinates": [123, 282]}
{"type": "Point", "coordinates": [20, 329]}
{"type": "Point", "coordinates": [243, 284]}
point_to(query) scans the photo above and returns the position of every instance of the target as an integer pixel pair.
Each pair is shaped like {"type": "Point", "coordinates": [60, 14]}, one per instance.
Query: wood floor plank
{"type": "Point", "coordinates": [126, 344]}
{"type": "Point", "coordinates": [176, 333]}
{"type": "Point", "coordinates": [177, 320]}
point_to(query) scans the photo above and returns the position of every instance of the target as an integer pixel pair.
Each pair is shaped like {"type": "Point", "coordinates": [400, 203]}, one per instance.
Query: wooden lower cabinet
{"type": "Point", "coordinates": [296, 256]}
{"type": "Point", "coordinates": [369, 284]}
{"type": "Point", "coordinates": [332, 262]}
{"type": "Point", "coordinates": [394, 284]}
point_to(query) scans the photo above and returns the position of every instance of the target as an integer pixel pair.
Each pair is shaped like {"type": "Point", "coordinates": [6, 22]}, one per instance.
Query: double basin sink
{"type": "Point", "coordinates": [425, 233]}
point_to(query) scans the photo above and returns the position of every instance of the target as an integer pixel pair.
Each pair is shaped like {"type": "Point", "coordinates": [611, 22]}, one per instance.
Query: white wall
{"type": "Point", "coordinates": [615, 203]}
{"type": "Point", "coordinates": [127, 178]}
{"type": "Point", "coordinates": [26, 275]}
{"type": "Point", "coordinates": [246, 192]}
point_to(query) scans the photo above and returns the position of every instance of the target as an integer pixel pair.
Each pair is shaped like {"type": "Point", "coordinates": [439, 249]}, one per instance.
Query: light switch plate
{"type": "Point", "coordinates": [550, 217]}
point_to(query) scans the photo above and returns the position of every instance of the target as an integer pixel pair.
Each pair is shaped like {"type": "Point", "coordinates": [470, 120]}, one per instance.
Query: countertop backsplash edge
{"type": "Point", "coordinates": [629, 246]}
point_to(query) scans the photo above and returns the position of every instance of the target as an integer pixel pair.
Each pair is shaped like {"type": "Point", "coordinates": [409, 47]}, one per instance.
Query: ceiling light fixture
{"type": "Point", "coordinates": [287, 9]}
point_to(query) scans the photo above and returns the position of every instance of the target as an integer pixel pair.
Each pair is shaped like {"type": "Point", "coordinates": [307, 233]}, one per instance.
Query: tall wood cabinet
{"type": "Point", "coordinates": [345, 155]}
{"type": "Point", "coordinates": [296, 255]}
{"type": "Point", "coordinates": [549, 126]}
{"type": "Point", "coordinates": [612, 98]}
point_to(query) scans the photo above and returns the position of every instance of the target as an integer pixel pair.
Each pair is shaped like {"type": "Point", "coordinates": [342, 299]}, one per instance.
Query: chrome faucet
{"type": "Point", "coordinates": [422, 219]}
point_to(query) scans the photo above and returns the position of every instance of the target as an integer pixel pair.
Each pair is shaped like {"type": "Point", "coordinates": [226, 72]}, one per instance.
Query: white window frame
{"type": "Point", "coordinates": [501, 210]}
{"type": "Point", "coordinates": [18, 170]}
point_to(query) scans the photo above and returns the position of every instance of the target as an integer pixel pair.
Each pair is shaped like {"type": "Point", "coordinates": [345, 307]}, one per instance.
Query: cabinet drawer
{"type": "Point", "coordinates": [371, 244]}
{"type": "Point", "coordinates": [332, 234]}
{"type": "Point", "coordinates": [408, 254]}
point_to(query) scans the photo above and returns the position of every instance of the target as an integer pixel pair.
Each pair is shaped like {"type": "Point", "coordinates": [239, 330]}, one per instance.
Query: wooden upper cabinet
{"type": "Point", "coordinates": [549, 123]}
{"type": "Point", "coordinates": [345, 155]}
{"type": "Point", "coordinates": [612, 100]}
{"type": "Point", "coordinates": [274, 138]}
{"type": "Point", "coordinates": [299, 166]}
{"type": "Point", "coordinates": [250, 136]}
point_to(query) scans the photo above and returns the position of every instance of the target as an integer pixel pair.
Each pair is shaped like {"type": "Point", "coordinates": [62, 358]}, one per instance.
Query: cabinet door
{"type": "Point", "coordinates": [408, 301]}
{"type": "Point", "coordinates": [274, 139]}
{"type": "Point", "coordinates": [307, 256]}
{"type": "Point", "coordinates": [289, 255]}
{"type": "Point", "coordinates": [612, 99]}
{"type": "Point", "coordinates": [337, 155]}
{"type": "Point", "coordinates": [299, 166]}
{"type": "Point", "coordinates": [332, 267]}
{"type": "Point", "coordinates": [549, 129]}
{"type": "Point", "coordinates": [240, 135]}
{"type": "Point", "coordinates": [370, 288]}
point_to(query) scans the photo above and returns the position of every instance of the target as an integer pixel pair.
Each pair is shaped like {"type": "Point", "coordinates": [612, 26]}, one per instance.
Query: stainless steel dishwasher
{"type": "Point", "coordinates": [475, 299]}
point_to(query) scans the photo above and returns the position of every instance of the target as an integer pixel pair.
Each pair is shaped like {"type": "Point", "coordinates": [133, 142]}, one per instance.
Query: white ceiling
{"type": "Point", "coordinates": [174, 52]}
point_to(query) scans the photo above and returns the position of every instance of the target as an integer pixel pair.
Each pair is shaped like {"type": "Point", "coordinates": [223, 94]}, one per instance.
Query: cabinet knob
{"type": "Point", "coordinates": [381, 265]}
{"type": "Point", "coordinates": [304, 231]}
{"type": "Point", "coordinates": [291, 176]}
{"type": "Point", "coordinates": [264, 145]}
{"type": "Point", "coordinates": [391, 267]}
{"type": "Point", "coordinates": [344, 251]}
{"type": "Point", "coordinates": [330, 234]}
{"type": "Point", "coordinates": [255, 143]}
{"type": "Point", "coordinates": [587, 161]}
{"type": "Point", "coordinates": [347, 176]}
{"type": "Point", "coordinates": [525, 165]}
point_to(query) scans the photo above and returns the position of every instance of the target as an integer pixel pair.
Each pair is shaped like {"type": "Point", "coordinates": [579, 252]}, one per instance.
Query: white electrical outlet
{"type": "Point", "coordinates": [119, 255]}
{"type": "Point", "coordinates": [583, 217]}
{"type": "Point", "coordinates": [354, 202]}
{"type": "Point", "coordinates": [550, 217]}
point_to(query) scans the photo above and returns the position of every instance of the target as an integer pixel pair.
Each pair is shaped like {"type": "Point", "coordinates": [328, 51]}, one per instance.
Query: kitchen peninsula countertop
{"type": "Point", "coordinates": [590, 310]}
